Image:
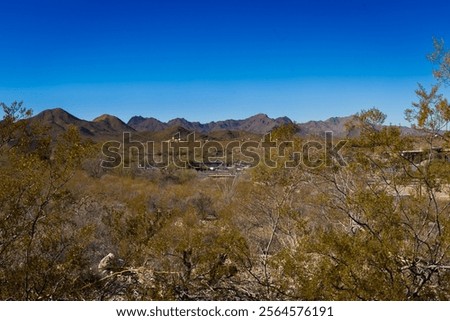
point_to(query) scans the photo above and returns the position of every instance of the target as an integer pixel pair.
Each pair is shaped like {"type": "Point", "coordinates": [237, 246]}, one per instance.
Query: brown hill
{"type": "Point", "coordinates": [150, 124]}
{"type": "Point", "coordinates": [103, 127]}
{"type": "Point", "coordinates": [111, 124]}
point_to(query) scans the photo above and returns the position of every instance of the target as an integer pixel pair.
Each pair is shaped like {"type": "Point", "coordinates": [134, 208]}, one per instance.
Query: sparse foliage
{"type": "Point", "coordinates": [375, 229]}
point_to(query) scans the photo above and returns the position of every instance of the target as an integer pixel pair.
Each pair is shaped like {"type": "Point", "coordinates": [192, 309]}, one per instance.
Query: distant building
{"type": "Point", "coordinates": [419, 155]}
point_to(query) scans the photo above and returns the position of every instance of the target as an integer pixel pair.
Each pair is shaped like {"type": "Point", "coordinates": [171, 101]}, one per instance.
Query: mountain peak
{"type": "Point", "coordinates": [57, 115]}
{"type": "Point", "coordinates": [112, 123]}
{"type": "Point", "coordinates": [135, 119]}
{"type": "Point", "coordinates": [143, 124]}
{"type": "Point", "coordinates": [259, 116]}
{"type": "Point", "coordinates": [56, 112]}
{"type": "Point", "coordinates": [105, 117]}
{"type": "Point", "coordinates": [178, 121]}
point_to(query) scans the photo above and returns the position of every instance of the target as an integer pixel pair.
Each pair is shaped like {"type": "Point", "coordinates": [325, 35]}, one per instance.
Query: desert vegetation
{"type": "Point", "coordinates": [375, 228]}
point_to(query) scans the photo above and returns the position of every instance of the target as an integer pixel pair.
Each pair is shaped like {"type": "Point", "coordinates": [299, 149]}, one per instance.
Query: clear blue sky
{"type": "Point", "coordinates": [212, 60]}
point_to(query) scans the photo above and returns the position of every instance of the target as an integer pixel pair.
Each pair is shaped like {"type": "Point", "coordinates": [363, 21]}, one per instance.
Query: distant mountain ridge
{"type": "Point", "coordinates": [109, 126]}
{"type": "Point", "coordinates": [257, 124]}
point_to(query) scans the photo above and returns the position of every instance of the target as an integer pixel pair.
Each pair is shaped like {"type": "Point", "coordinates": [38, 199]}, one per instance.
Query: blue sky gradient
{"type": "Point", "coordinates": [213, 60]}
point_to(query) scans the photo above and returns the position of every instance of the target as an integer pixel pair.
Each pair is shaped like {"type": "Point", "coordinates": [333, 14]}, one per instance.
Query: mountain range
{"type": "Point", "coordinates": [109, 126]}
{"type": "Point", "coordinates": [58, 120]}
{"type": "Point", "coordinates": [257, 124]}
